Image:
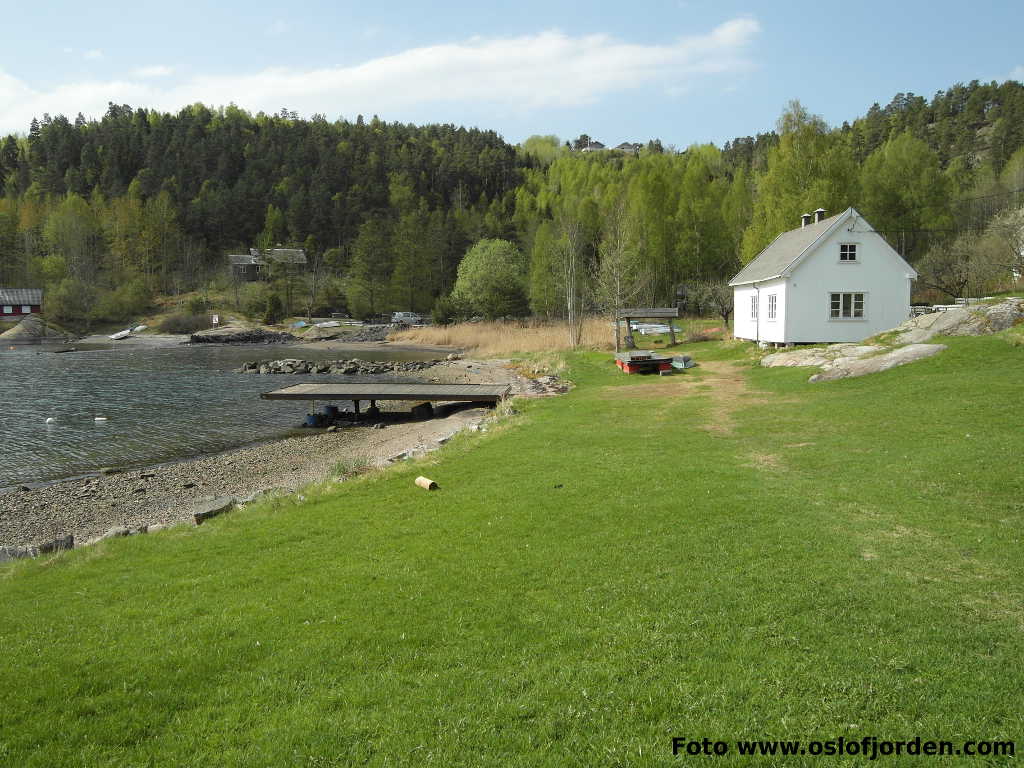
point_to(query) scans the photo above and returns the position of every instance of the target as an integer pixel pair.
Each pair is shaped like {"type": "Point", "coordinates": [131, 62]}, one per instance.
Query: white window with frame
{"type": "Point", "coordinates": [753, 307]}
{"type": "Point", "coordinates": [846, 306]}
{"type": "Point", "coordinates": [25, 309]}
{"type": "Point", "coordinates": [8, 309]}
{"type": "Point", "coordinates": [772, 306]}
{"type": "Point", "coordinates": [847, 253]}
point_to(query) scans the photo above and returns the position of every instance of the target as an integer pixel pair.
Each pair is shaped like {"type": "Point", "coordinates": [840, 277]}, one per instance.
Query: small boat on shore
{"type": "Point", "coordinates": [120, 335]}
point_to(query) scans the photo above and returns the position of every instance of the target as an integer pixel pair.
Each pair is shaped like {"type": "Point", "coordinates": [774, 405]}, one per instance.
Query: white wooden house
{"type": "Point", "coordinates": [829, 280]}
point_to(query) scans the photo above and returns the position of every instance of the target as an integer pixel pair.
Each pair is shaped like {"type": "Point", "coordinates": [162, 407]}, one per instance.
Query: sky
{"type": "Point", "coordinates": [683, 71]}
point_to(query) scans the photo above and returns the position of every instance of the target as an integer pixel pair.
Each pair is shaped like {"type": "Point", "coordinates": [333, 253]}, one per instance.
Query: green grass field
{"type": "Point", "coordinates": [727, 553]}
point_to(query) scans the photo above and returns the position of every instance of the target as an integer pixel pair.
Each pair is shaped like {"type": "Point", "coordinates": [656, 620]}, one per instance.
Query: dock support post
{"type": "Point", "coordinates": [355, 405]}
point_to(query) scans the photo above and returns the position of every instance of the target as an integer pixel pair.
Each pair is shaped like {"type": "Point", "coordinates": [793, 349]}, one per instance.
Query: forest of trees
{"type": "Point", "coordinates": [105, 214]}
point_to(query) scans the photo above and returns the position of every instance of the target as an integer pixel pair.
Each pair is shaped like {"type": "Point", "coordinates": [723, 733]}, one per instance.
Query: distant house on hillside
{"type": "Point", "coordinates": [248, 267]}
{"type": "Point", "coordinates": [629, 148]}
{"type": "Point", "coordinates": [18, 302]}
{"type": "Point", "coordinates": [592, 146]}
{"type": "Point", "coordinates": [830, 280]}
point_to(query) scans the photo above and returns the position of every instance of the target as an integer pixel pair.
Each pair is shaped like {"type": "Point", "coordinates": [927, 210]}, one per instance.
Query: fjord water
{"type": "Point", "coordinates": [160, 404]}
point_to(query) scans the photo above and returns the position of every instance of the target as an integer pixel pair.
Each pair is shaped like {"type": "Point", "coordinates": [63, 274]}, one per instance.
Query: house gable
{"type": "Point", "coordinates": [787, 250]}
{"type": "Point", "coordinates": [836, 280]}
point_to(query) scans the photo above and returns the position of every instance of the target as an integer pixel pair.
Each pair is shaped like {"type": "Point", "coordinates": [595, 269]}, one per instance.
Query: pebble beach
{"type": "Point", "coordinates": [92, 506]}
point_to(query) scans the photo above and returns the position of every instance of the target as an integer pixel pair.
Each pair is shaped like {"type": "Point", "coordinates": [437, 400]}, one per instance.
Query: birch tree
{"type": "Point", "coordinates": [618, 279]}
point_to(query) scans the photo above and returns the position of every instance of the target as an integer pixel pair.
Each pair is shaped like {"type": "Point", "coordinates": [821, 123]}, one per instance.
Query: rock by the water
{"type": "Point", "coordinates": [61, 542]}
{"type": "Point", "coordinates": [346, 367]}
{"type": "Point", "coordinates": [32, 328]}
{"type": "Point", "coordinates": [17, 553]}
{"type": "Point", "coordinates": [204, 509]}
{"type": "Point", "coordinates": [241, 336]}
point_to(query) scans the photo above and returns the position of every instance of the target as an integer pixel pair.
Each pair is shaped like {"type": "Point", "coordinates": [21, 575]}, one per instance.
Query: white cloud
{"type": "Point", "coordinates": [543, 71]}
{"type": "Point", "coordinates": [1017, 73]}
{"type": "Point", "coordinates": [155, 71]}
{"type": "Point", "coordinates": [93, 54]}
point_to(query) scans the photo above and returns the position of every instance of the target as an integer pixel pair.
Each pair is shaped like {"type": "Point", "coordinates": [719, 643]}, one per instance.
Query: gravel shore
{"type": "Point", "coordinates": [88, 507]}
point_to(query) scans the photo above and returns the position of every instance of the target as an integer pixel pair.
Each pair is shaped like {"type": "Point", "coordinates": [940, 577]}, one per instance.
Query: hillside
{"type": "Point", "coordinates": [104, 214]}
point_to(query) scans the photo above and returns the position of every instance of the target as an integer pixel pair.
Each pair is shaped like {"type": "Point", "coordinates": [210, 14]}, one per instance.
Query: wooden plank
{"type": "Point", "coordinates": [646, 312]}
{"type": "Point", "coordinates": [471, 393]}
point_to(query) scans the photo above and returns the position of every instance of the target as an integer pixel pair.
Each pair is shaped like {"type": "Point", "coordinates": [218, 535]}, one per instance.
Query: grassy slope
{"type": "Point", "coordinates": [602, 575]}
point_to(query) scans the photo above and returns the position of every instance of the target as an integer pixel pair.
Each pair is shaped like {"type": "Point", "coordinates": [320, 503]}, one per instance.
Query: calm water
{"type": "Point", "coordinates": [160, 405]}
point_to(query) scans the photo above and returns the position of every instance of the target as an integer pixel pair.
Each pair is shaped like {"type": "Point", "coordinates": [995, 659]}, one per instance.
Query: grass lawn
{"type": "Point", "coordinates": [727, 553]}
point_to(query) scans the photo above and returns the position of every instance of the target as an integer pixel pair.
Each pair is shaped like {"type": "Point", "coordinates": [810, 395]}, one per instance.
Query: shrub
{"type": "Point", "coordinates": [127, 301]}
{"type": "Point", "coordinates": [254, 299]}
{"type": "Point", "coordinates": [447, 310]}
{"type": "Point", "coordinates": [697, 335]}
{"type": "Point", "coordinates": [197, 305]}
{"type": "Point", "coordinates": [184, 322]}
{"type": "Point", "coordinates": [71, 299]}
{"type": "Point", "coordinates": [273, 310]}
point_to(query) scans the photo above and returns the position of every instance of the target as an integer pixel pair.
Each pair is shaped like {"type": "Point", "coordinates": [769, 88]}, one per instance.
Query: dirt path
{"type": "Point", "coordinates": [723, 382]}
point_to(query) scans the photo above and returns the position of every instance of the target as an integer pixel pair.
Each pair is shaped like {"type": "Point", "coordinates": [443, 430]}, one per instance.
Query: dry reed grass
{"type": "Point", "coordinates": [502, 339]}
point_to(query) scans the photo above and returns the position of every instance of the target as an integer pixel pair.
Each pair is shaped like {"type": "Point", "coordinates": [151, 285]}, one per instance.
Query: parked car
{"type": "Point", "coordinates": [407, 318]}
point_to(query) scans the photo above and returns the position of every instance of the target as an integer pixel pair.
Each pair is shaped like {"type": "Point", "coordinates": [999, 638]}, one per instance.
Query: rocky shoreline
{"type": "Point", "coordinates": [242, 336]}
{"type": "Point", "coordinates": [80, 511]}
{"type": "Point", "coordinates": [346, 367]}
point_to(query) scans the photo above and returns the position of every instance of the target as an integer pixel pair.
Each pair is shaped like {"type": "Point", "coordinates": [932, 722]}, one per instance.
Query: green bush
{"type": "Point", "coordinates": [273, 311]}
{"type": "Point", "coordinates": [197, 305]}
{"type": "Point", "coordinates": [184, 322]}
{"type": "Point", "coordinates": [492, 280]}
{"type": "Point", "coordinates": [254, 299]}
{"type": "Point", "coordinates": [126, 301]}
{"type": "Point", "coordinates": [71, 299]}
{"type": "Point", "coordinates": [447, 310]}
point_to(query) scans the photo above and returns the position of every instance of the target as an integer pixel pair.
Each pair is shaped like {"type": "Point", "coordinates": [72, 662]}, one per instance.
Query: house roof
{"type": "Point", "coordinates": [786, 249]}
{"type": "Point", "coordinates": [21, 296]}
{"type": "Point", "coordinates": [280, 255]}
{"type": "Point", "coordinates": [241, 258]}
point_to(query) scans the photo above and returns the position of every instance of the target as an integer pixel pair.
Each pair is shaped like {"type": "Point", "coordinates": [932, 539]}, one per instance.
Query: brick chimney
{"type": "Point", "coordinates": [819, 215]}
{"type": "Point", "coordinates": [805, 219]}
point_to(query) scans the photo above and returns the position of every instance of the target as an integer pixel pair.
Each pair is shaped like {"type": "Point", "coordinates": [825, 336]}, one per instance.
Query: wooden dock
{"type": "Point", "coordinates": [448, 393]}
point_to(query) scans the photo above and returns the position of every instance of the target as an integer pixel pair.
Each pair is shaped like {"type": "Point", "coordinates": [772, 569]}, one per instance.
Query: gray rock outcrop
{"type": "Point", "coordinates": [975, 320]}
{"type": "Point", "coordinates": [30, 329]}
{"type": "Point", "coordinates": [845, 368]}
{"type": "Point", "coordinates": [818, 356]}
{"type": "Point", "coordinates": [204, 509]}
{"type": "Point", "coordinates": [241, 336]}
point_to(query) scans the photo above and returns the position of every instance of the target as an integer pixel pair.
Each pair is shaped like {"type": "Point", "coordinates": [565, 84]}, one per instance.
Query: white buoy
{"type": "Point", "coordinates": [100, 418]}
{"type": "Point", "coordinates": [51, 420]}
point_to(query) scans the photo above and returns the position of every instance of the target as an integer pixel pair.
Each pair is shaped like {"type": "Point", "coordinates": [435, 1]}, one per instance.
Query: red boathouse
{"type": "Point", "coordinates": [15, 303]}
